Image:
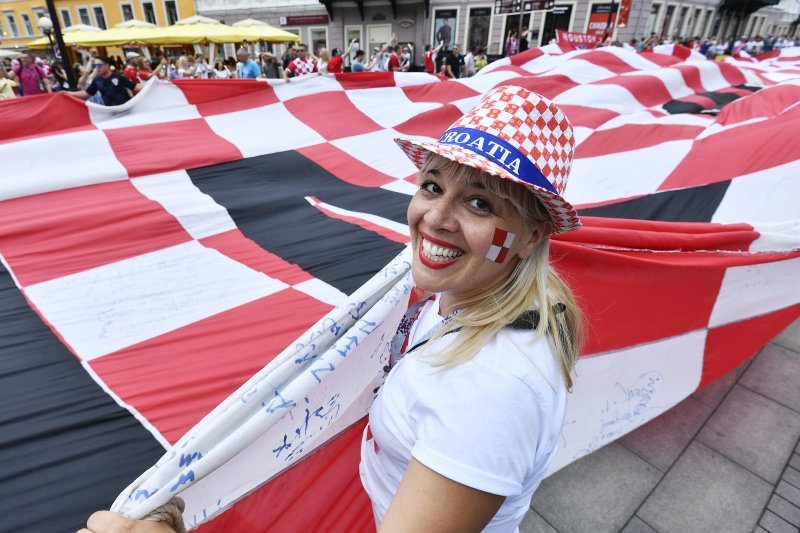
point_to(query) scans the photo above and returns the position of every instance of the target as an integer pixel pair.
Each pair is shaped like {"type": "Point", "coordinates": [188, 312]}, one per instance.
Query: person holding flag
{"type": "Point", "coordinates": [468, 419]}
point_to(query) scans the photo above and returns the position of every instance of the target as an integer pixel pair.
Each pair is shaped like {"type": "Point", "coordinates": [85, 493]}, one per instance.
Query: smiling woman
{"type": "Point", "coordinates": [468, 419]}
{"type": "Point", "coordinates": [467, 423]}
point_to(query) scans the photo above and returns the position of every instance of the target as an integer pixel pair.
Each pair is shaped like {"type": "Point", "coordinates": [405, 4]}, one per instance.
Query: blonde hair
{"type": "Point", "coordinates": [324, 55]}
{"type": "Point", "coordinates": [532, 284]}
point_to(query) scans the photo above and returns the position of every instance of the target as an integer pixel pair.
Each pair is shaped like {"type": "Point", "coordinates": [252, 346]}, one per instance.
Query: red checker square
{"type": "Point", "coordinates": [649, 90]}
{"type": "Point", "coordinates": [177, 378]}
{"type": "Point", "coordinates": [622, 307]}
{"type": "Point", "coordinates": [730, 345]}
{"type": "Point", "coordinates": [344, 166]}
{"type": "Point", "coordinates": [235, 245]}
{"type": "Point", "coordinates": [213, 97]}
{"type": "Point", "coordinates": [338, 118]}
{"type": "Point", "coordinates": [82, 228]}
{"type": "Point", "coordinates": [181, 145]}
{"type": "Point", "coordinates": [365, 80]}
{"type": "Point", "coordinates": [322, 492]}
{"type": "Point", "coordinates": [56, 113]}
{"type": "Point", "coordinates": [441, 92]}
{"type": "Point", "coordinates": [431, 123]}
{"type": "Point", "coordinates": [730, 153]}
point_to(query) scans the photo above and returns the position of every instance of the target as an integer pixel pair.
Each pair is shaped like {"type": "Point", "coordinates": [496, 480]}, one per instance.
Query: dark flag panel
{"type": "Point", "coordinates": [697, 204]}
{"type": "Point", "coordinates": [265, 196]}
{"type": "Point", "coordinates": [64, 441]}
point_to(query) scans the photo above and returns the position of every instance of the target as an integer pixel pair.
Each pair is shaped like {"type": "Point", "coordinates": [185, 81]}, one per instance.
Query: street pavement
{"type": "Point", "coordinates": [726, 459]}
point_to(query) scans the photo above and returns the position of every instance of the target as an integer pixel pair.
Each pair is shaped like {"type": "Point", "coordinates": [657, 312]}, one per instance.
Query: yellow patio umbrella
{"type": "Point", "coordinates": [71, 38]}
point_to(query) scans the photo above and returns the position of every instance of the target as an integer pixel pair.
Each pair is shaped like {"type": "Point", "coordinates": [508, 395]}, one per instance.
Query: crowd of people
{"type": "Point", "coordinates": [113, 81]}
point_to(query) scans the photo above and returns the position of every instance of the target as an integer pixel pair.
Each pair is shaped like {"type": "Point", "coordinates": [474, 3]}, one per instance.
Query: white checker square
{"type": "Point", "coordinates": [408, 79]}
{"type": "Point", "coordinates": [379, 151]}
{"type": "Point", "coordinates": [600, 95]}
{"type": "Point", "coordinates": [252, 133]}
{"type": "Point", "coordinates": [483, 82]}
{"type": "Point", "coordinates": [388, 106]}
{"type": "Point", "coordinates": [748, 291]}
{"type": "Point", "coordinates": [104, 309]}
{"type": "Point", "coordinates": [37, 165]}
{"type": "Point", "coordinates": [316, 288]}
{"type": "Point", "coordinates": [157, 103]}
{"type": "Point", "coordinates": [671, 78]}
{"type": "Point", "coordinates": [617, 392]}
{"type": "Point", "coordinates": [197, 212]}
{"type": "Point", "coordinates": [619, 175]}
{"type": "Point", "coordinates": [581, 71]}
{"type": "Point", "coordinates": [311, 84]}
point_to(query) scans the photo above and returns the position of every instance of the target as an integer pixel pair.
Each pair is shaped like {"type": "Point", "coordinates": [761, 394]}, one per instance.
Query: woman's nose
{"type": "Point", "coordinates": [441, 215]}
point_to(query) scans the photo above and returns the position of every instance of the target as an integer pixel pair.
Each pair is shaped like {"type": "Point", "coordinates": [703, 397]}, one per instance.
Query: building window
{"type": "Point", "coordinates": [12, 24]}
{"type": "Point", "coordinates": [149, 12]}
{"type": "Point", "coordinates": [127, 12]}
{"type": "Point", "coordinates": [678, 32]}
{"type": "Point", "coordinates": [38, 13]}
{"type": "Point", "coordinates": [26, 20]}
{"type": "Point", "coordinates": [319, 39]}
{"type": "Point", "coordinates": [651, 19]}
{"type": "Point", "coordinates": [172, 11]}
{"type": "Point", "coordinates": [83, 14]}
{"type": "Point", "coordinates": [667, 22]}
{"type": "Point", "coordinates": [478, 31]}
{"type": "Point", "coordinates": [557, 19]}
{"type": "Point", "coordinates": [100, 17]}
{"type": "Point", "coordinates": [66, 19]}
{"type": "Point", "coordinates": [444, 24]}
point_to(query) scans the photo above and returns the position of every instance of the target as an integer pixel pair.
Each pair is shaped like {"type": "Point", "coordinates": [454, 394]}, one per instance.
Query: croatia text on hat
{"type": "Point", "coordinates": [499, 152]}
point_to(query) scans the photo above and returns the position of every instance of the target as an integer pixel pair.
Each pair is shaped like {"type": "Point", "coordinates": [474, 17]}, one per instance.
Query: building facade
{"type": "Point", "coordinates": [334, 23]}
{"type": "Point", "coordinates": [19, 18]}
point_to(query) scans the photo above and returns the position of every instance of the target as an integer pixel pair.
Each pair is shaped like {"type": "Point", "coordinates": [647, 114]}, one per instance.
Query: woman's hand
{"type": "Point", "coordinates": [108, 522]}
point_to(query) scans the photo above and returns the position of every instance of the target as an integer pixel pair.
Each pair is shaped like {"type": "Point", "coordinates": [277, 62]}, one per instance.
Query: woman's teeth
{"type": "Point", "coordinates": [435, 252]}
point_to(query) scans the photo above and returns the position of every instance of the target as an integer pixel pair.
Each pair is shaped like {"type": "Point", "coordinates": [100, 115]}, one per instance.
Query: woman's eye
{"type": "Point", "coordinates": [480, 204]}
{"type": "Point", "coordinates": [430, 186]}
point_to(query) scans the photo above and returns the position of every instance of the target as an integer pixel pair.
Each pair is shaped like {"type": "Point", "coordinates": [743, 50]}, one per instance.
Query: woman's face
{"type": "Point", "coordinates": [452, 226]}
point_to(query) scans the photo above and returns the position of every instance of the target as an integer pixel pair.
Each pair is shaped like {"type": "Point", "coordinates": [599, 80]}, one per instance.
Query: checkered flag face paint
{"type": "Point", "coordinates": [501, 244]}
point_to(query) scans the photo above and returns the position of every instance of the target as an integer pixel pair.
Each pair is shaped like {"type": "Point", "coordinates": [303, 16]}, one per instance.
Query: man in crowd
{"type": "Point", "coordinates": [301, 65]}
{"type": "Point", "coordinates": [456, 61]}
{"type": "Point", "coordinates": [429, 57]}
{"type": "Point", "coordinates": [248, 68]}
{"type": "Point", "coordinates": [131, 71]}
{"type": "Point", "coordinates": [31, 77]}
{"type": "Point", "coordinates": [358, 62]}
{"type": "Point", "coordinates": [337, 58]}
{"type": "Point", "coordinates": [115, 89]}
{"type": "Point", "coordinates": [396, 60]}
{"type": "Point", "coordinates": [469, 61]}
{"type": "Point", "coordinates": [270, 66]}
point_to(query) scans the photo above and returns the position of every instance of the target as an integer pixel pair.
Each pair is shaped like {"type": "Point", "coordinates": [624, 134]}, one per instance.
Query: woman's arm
{"type": "Point", "coordinates": [428, 501]}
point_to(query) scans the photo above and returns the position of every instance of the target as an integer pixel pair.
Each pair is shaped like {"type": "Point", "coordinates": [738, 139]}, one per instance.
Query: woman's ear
{"type": "Point", "coordinates": [536, 235]}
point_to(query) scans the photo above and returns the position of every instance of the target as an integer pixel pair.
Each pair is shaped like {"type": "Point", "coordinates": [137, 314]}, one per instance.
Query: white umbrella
{"type": "Point", "coordinates": [198, 19]}
{"type": "Point", "coordinates": [80, 27]}
{"type": "Point", "coordinates": [249, 22]}
{"type": "Point", "coordinates": [134, 23]}
{"type": "Point", "coordinates": [8, 53]}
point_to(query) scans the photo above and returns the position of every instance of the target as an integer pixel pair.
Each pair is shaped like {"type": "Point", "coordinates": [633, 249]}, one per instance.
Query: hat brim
{"type": "Point", "coordinates": [563, 215]}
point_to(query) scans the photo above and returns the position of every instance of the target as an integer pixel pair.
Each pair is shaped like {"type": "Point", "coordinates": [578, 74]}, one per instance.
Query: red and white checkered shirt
{"type": "Point", "coordinates": [298, 67]}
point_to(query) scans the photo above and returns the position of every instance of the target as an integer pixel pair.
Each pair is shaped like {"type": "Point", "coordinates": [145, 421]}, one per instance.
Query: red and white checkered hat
{"type": "Point", "coordinates": [515, 134]}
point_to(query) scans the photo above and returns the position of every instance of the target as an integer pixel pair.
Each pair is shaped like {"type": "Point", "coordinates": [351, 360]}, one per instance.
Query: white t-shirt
{"type": "Point", "coordinates": [491, 423]}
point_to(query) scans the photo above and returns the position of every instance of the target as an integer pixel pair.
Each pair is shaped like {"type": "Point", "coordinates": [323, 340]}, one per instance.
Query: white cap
{"type": "Point", "coordinates": [131, 55]}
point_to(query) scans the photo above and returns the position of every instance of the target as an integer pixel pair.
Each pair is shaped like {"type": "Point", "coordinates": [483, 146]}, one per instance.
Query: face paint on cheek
{"type": "Point", "coordinates": [501, 244]}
